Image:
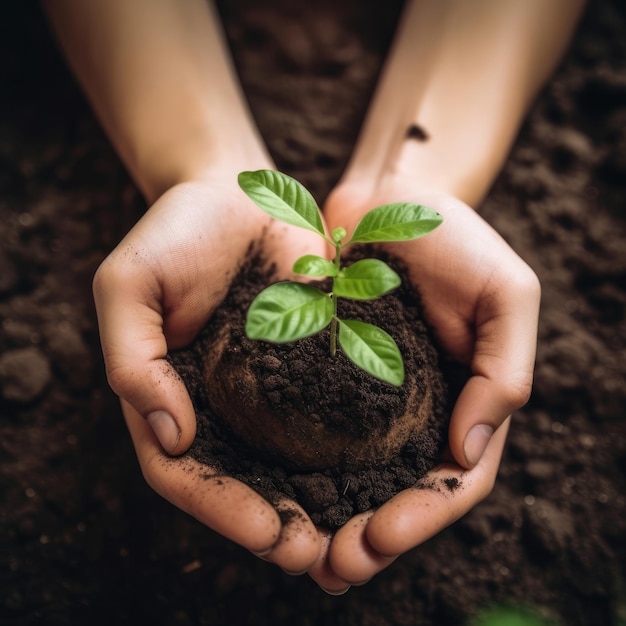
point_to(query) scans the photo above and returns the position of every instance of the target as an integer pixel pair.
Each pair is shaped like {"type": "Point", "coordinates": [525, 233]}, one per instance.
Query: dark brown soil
{"type": "Point", "coordinates": [290, 421]}
{"type": "Point", "coordinates": [83, 540]}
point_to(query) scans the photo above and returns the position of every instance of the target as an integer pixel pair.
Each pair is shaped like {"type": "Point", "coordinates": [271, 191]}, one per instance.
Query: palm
{"type": "Point", "coordinates": [451, 267]}
{"type": "Point", "coordinates": [191, 244]}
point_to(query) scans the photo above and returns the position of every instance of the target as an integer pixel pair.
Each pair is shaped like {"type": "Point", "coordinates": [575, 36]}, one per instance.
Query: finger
{"type": "Point", "coordinates": [220, 502]}
{"type": "Point", "coordinates": [298, 545]}
{"type": "Point", "coordinates": [502, 367]}
{"type": "Point", "coordinates": [321, 571]}
{"type": "Point", "coordinates": [284, 245]}
{"type": "Point", "coordinates": [352, 557]}
{"type": "Point", "coordinates": [446, 494]}
{"type": "Point", "coordinates": [134, 349]}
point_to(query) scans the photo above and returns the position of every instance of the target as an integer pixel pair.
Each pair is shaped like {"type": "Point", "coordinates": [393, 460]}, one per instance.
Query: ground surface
{"type": "Point", "coordinates": [84, 540]}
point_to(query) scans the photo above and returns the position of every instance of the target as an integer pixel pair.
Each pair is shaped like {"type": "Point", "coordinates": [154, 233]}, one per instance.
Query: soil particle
{"type": "Point", "coordinates": [67, 348]}
{"type": "Point", "coordinates": [24, 374]}
{"type": "Point", "coordinates": [549, 530]}
{"type": "Point", "coordinates": [416, 132]}
{"type": "Point", "coordinates": [316, 492]}
{"type": "Point", "coordinates": [452, 484]}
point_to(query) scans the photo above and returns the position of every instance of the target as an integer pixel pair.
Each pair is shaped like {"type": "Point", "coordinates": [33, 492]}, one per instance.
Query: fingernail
{"type": "Point", "coordinates": [304, 571]}
{"type": "Point", "coordinates": [336, 592]}
{"type": "Point", "coordinates": [165, 428]}
{"type": "Point", "coordinates": [262, 555]}
{"type": "Point", "coordinates": [476, 441]}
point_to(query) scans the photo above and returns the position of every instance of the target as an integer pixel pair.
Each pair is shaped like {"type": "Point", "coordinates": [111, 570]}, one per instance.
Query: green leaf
{"type": "Point", "coordinates": [373, 350]}
{"type": "Point", "coordinates": [400, 221]}
{"type": "Point", "coordinates": [313, 265]}
{"type": "Point", "coordinates": [338, 234]}
{"type": "Point", "coordinates": [508, 616]}
{"type": "Point", "coordinates": [288, 311]}
{"type": "Point", "coordinates": [365, 280]}
{"type": "Point", "coordinates": [282, 197]}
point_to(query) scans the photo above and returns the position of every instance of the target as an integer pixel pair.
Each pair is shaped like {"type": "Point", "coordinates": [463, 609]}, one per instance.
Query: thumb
{"type": "Point", "coordinates": [481, 408]}
{"type": "Point", "coordinates": [134, 349]}
{"type": "Point", "coordinates": [502, 367]}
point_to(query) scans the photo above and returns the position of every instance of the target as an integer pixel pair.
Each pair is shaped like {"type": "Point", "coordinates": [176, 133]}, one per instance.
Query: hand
{"type": "Point", "coordinates": [154, 293]}
{"type": "Point", "coordinates": [482, 301]}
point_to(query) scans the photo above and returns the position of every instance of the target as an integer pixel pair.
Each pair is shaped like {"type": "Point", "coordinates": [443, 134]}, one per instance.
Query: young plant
{"type": "Point", "coordinates": [288, 311]}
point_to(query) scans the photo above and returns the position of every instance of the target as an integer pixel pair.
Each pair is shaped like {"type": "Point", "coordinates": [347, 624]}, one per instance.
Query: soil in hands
{"type": "Point", "coordinates": [290, 421]}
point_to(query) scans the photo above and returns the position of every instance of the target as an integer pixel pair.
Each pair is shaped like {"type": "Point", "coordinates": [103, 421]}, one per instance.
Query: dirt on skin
{"type": "Point", "coordinates": [83, 539]}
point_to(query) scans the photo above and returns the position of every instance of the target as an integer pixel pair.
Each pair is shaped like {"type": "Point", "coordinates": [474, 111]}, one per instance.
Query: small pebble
{"type": "Point", "coordinates": [24, 374]}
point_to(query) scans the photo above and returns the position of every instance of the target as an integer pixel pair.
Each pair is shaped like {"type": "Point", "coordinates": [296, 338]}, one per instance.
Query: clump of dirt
{"type": "Point", "coordinates": [293, 422]}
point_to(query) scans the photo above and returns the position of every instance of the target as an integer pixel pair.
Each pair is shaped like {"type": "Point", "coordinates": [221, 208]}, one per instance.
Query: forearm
{"type": "Point", "coordinates": [159, 76]}
{"type": "Point", "coordinates": [461, 74]}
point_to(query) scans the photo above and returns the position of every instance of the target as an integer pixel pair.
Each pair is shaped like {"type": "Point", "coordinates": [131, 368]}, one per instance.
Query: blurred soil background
{"type": "Point", "coordinates": [82, 537]}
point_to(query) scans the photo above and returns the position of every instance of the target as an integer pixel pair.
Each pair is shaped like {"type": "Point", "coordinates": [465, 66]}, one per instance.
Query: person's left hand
{"type": "Point", "coordinates": [153, 293]}
{"type": "Point", "coordinates": [482, 301]}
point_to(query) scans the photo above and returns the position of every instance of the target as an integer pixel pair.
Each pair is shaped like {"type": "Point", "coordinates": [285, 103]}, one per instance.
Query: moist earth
{"type": "Point", "coordinates": [83, 539]}
{"type": "Point", "coordinates": [293, 422]}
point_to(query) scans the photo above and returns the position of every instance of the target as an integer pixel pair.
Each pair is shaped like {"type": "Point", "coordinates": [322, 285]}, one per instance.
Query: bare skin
{"type": "Point", "coordinates": [456, 86]}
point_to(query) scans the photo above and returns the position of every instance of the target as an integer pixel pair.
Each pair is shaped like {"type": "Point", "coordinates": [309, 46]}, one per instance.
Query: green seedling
{"type": "Point", "coordinates": [509, 616]}
{"type": "Point", "coordinates": [288, 311]}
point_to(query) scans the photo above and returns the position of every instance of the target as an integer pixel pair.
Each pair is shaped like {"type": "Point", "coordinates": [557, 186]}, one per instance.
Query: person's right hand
{"type": "Point", "coordinates": [482, 302]}
{"type": "Point", "coordinates": [153, 293]}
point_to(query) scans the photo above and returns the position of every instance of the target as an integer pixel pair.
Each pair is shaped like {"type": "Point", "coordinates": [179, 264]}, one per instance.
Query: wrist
{"type": "Point", "coordinates": [198, 158]}
{"type": "Point", "coordinates": [464, 88]}
{"type": "Point", "coordinates": [403, 180]}
{"type": "Point", "coordinates": [427, 158]}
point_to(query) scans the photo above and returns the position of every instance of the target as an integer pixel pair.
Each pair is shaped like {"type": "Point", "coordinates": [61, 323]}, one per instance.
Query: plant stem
{"type": "Point", "coordinates": [333, 334]}
{"type": "Point", "coordinates": [334, 320]}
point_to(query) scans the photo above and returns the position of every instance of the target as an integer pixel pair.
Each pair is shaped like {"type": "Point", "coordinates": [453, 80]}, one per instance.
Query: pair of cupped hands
{"type": "Point", "coordinates": [157, 289]}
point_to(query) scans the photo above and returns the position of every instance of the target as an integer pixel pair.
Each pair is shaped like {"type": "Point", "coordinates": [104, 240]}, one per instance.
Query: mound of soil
{"type": "Point", "coordinates": [290, 421]}
{"type": "Point", "coordinates": [83, 539]}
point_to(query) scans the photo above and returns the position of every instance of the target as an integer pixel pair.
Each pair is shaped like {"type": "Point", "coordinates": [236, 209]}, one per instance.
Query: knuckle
{"type": "Point", "coordinates": [150, 471]}
{"type": "Point", "coordinates": [486, 487]}
{"type": "Point", "coordinates": [99, 275]}
{"type": "Point", "coordinates": [108, 275]}
{"type": "Point", "coordinates": [517, 393]}
{"type": "Point", "coordinates": [527, 284]}
{"type": "Point", "coordinates": [121, 268]}
{"type": "Point", "coordinates": [119, 379]}
{"type": "Point", "coordinates": [103, 276]}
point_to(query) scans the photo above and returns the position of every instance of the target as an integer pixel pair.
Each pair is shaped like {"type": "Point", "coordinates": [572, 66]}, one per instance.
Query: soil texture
{"type": "Point", "coordinates": [290, 421]}
{"type": "Point", "coordinates": [84, 540]}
